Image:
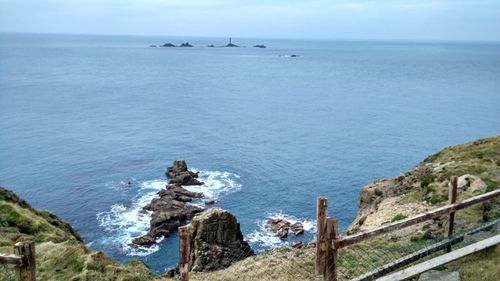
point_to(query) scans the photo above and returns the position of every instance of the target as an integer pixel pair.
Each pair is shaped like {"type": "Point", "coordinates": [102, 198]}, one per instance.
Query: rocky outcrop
{"type": "Point", "coordinates": [185, 45]}
{"type": "Point", "coordinates": [216, 241]}
{"type": "Point", "coordinates": [169, 211]}
{"type": "Point", "coordinates": [260, 46]}
{"type": "Point", "coordinates": [180, 175]}
{"type": "Point", "coordinates": [281, 227]}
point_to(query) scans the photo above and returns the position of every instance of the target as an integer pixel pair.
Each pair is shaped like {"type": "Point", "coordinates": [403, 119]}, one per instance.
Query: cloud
{"type": "Point", "coordinates": [350, 19]}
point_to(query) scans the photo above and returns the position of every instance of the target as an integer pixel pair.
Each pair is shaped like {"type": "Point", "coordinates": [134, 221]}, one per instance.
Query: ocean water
{"type": "Point", "coordinates": [82, 115]}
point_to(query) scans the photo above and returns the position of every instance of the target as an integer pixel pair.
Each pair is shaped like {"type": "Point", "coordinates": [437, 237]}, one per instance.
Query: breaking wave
{"type": "Point", "coordinates": [124, 222]}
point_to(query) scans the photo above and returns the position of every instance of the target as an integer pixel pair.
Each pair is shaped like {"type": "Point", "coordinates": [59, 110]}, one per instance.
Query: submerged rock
{"type": "Point", "coordinates": [216, 241]}
{"type": "Point", "coordinates": [168, 45]}
{"type": "Point", "coordinates": [260, 46]}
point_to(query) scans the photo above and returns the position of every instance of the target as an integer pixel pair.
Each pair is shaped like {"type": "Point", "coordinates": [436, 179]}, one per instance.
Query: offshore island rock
{"type": "Point", "coordinates": [169, 211]}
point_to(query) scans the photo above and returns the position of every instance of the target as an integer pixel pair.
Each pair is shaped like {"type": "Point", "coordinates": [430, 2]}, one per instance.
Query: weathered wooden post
{"type": "Point", "coordinates": [331, 251]}
{"type": "Point", "coordinates": [322, 204]}
{"type": "Point", "coordinates": [452, 197]}
{"type": "Point", "coordinates": [184, 253]}
{"type": "Point", "coordinates": [27, 270]}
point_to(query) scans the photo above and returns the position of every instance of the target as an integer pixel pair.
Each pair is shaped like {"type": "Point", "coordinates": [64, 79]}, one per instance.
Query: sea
{"type": "Point", "coordinates": [269, 129]}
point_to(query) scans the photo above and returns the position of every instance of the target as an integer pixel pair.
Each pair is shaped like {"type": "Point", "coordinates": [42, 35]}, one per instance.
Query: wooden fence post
{"type": "Point", "coordinates": [184, 253]}
{"type": "Point", "coordinates": [322, 203]}
{"type": "Point", "coordinates": [27, 270]}
{"type": "Point", "coordinates": [452, 197]}
{"type": "Point", "coordinates": [331, 252]}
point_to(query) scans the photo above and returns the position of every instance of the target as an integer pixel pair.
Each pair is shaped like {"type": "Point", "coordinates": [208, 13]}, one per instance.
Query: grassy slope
{"type": "Point", "coordinates": [62, 256]}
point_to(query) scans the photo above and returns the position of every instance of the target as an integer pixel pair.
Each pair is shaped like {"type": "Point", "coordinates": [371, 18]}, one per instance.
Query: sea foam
{"type": "Point", "coordinates": [263, 239]}
{"type": "Point", "coordinates": [124, 222]}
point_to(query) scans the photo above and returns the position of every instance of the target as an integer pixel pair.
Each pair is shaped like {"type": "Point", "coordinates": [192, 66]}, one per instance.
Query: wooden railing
{"type": "Point", "coordinates": [23, 260]}
{"type": "Point", "coordinates": [328, 242]}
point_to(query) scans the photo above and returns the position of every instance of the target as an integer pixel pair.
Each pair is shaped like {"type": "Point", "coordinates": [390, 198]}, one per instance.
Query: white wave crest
{"type": "Point", "coordinates": [263, 238]}
{"type": "Point", "coordinates": [124, 222]}
{"type": "Point", "coordinates": [216, 185]}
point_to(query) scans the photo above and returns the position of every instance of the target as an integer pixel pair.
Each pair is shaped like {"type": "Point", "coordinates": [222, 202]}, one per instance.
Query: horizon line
{"type": "Point", "coordinates": [271, 38]}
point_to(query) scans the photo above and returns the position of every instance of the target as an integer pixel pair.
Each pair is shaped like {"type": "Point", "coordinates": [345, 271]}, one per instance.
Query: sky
{"type": "Point", "coordinates": [475, 20]}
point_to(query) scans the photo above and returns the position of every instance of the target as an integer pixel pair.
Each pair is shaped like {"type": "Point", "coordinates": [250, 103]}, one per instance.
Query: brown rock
{"type": "Point", "coordinates": [216, 241]}
{"type": "Point", "coordinates": [180, 175]}
{"type": "Point", "coordinates": [297, 228]}
{"type": "Point", "coordinates": [169, 212]}
{"type": "Point", "coordinates": [279, 227]}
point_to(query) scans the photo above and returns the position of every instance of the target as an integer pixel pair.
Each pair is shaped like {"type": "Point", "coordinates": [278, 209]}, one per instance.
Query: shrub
{"type": "Point", "coordinates": [362, 220]}
{"type": "Point", "coordinates": [398, 217]}
{"type": "Point", "coordinates": [379, 192]}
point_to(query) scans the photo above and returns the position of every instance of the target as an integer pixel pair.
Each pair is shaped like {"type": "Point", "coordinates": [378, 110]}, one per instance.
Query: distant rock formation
{"type": "Point", "coordinates": [168, 45]}
{"type": "Point", "coordinates": [169, 209]}
{"type": "Point", "coordinates": [231, 45]}
{"type": "Point", "coordinates": [185, 45]}
{"type": "Point", "coordinates": [260, 46]}
{"type": "Point", "coordinates": [152, 46]}
{"type": "Point", "coordinates": [216, 241]}
{"type": "Point", "coordinates": [211, 46]}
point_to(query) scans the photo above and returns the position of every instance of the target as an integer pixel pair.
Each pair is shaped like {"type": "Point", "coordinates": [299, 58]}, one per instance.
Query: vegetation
{"type": "Point", "coordinates": [61, 255]}
{"type": "Point", "coordinates": [398, 217]}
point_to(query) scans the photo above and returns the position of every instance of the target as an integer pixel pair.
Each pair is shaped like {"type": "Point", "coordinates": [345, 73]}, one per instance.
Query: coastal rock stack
{"type": "Point", "coordinates": [169, 209]}
{"type": "Point", "coordinates": [216, 241]}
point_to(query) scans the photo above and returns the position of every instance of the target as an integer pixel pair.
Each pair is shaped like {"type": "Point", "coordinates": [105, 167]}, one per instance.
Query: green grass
{"type": "Point", "coordinates": [398, 217]}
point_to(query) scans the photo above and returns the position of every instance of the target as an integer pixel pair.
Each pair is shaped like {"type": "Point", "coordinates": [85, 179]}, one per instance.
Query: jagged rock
{"type": "Point", "coordinates": [180, 175]}
{"type": "Point", "coordinates": [435, 275]}
{"type": "Point", "coordinates": [185, 45]}
{"type": "Point", "coordinates": [297, 228]}
{"type": "Point", "coordinates": [216, 241]}
{"type": "Point", "coordinates": [169, 211]}
{"type": "Point", "coordinates": [279, 227]}
{"type": "Point", "coordinates": [471, 183]}
{"type": "Point", "coordinates": [297, 244]}
{"type": "Point", "coordinates": [168, 45]}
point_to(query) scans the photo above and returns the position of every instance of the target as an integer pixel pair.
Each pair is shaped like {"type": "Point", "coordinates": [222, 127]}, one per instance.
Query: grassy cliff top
{"type": "Point", "coordinates": [60, 253]}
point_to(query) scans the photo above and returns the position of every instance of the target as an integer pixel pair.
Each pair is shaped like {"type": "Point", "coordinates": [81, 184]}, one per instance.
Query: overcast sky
{"type": "Point", "coordinates": [335, 19]}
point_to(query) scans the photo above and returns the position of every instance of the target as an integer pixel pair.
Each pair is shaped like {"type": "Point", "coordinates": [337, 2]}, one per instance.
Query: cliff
{"type": "Point", "coordinates": [60, 253]}
{"type": "Point", "coordinates": [62, 256]}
